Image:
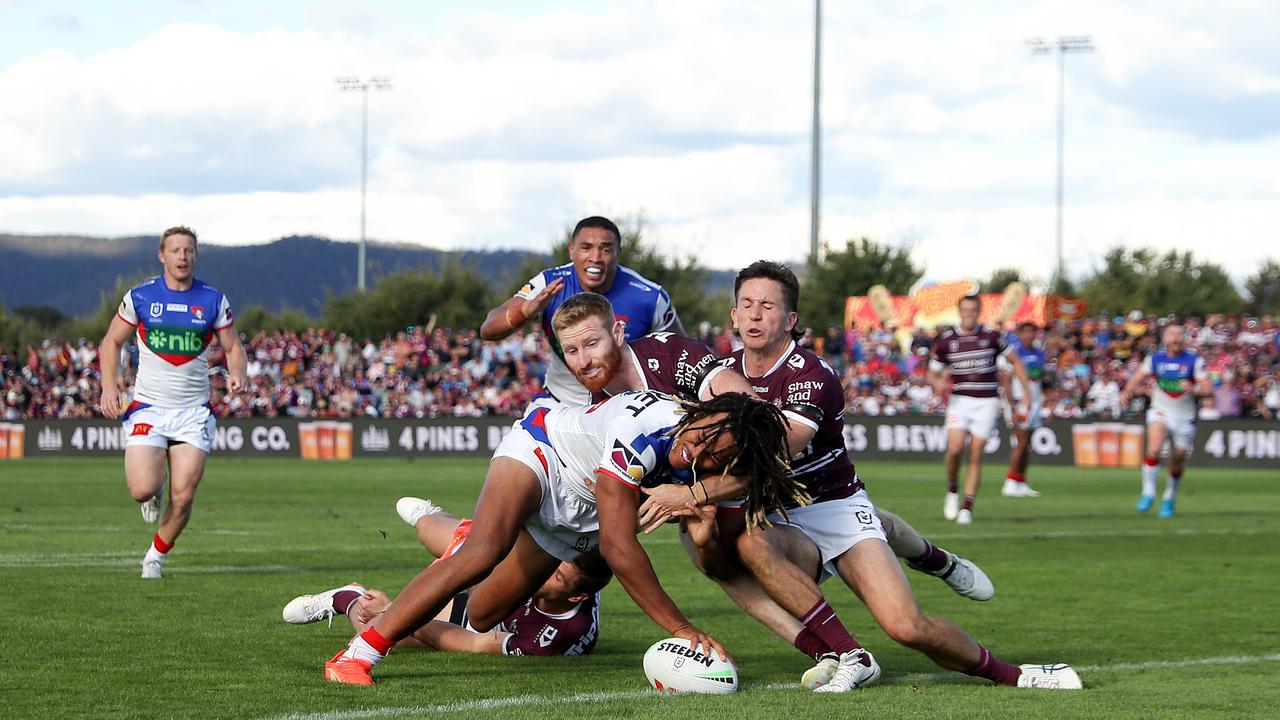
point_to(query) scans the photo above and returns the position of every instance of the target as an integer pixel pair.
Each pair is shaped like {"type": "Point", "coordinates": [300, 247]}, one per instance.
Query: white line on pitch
{"type": "Point", "coordinates": [584, 698]}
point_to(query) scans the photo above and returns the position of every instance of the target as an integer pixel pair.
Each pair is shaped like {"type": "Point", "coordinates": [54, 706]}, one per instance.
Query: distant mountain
{"type": "Point", "coordinates": [71, 273]}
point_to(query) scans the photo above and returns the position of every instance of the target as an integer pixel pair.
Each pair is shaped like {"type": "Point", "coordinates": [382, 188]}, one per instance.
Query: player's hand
{"type": "Point", "coordinates": [661, 504]}
{"type": "Point", "coordinates": [1185, 385]}
{"type": "Point", "coordinates": [1125, 397]}
{"type": "Point", "coordinates": [109, 402]}
{"type": "Point", "coordinates": [698, 639]}
{"type": "Point", "coordinates": [701, 525]}
{"type": "Point", "coordinates": [534, 305]}
{"type": "Point", "coordinates": [1024, 410]}
{"type": "Point", "coordinates": [237, 383]}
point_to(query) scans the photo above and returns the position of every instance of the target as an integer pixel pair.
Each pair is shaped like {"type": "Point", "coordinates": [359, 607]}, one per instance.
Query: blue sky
{"type": "Point", "coordinates": [509, 120]}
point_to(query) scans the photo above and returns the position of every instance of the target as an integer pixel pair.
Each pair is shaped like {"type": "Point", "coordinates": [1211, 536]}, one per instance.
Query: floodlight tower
{"type": "Point", "coordinates": [1063, 45]}
{"type": "Point", "coordinates": [353, 84]}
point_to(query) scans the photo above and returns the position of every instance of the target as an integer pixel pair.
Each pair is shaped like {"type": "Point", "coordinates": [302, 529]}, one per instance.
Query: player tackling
{"type": "Point", "coordinates": [175, 317]}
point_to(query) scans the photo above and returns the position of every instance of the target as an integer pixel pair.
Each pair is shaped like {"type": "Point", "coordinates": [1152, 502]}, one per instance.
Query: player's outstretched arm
{"type": "Point", "coordinates": [1130, 387]}
{"type": "Point", "coordinates": [617, 505]}
{"type": "Point", "coordinates": [448, 637]}
{"type": "Point", "coordinates": [515, 312]}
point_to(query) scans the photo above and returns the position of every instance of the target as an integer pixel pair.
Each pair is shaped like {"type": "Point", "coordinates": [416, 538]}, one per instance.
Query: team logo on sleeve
{"type": "Point", "coordinates": [631, 458]}
{"type": "Point", "coordinates": [198, 312]}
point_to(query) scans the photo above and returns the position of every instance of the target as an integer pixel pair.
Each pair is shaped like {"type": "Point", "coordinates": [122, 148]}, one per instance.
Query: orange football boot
{"type": "Point", "coordinates": [348, 671]}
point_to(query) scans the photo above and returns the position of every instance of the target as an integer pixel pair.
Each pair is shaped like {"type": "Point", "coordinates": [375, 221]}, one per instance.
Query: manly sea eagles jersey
{"type": "Point", "coordinates": [809, 393]}
{"type": "Point", "coordinates": [174, 331]}
{"type": "Point", "coordinates": [1169, 371]}
{"type": "Point", "coordinates": [534, 632]}
{"type": "Point", "coordinates": [671, 364]}
{"type": "Point", "coordinates": [972, 359]}
{"type": "Point", "coordinates": [643, 306]}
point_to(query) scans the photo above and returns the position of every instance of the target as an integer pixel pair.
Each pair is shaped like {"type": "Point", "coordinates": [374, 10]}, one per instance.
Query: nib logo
{"type": "Point", "coordinates": [176, 345]}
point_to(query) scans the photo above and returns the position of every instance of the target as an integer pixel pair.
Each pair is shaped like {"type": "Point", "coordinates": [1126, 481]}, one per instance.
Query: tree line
{"type": "Point", "coordinates": [458, 296]}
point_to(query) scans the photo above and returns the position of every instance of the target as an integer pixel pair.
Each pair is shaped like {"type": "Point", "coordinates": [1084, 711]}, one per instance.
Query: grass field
{"type": "Point", "coordinates": [1164, 618]}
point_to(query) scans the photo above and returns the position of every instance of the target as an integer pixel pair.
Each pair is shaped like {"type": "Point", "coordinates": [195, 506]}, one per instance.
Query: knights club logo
{"type": "Point", "coordinates": [198, 312]}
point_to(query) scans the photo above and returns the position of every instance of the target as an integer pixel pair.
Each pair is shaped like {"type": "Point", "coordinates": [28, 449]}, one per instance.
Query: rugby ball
{"type": "Point", "coordinates": [674, 668]}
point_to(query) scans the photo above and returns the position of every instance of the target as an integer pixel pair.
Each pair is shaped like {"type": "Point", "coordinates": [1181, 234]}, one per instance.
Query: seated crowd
{"type": "Point", "coordinates": [440, 372]}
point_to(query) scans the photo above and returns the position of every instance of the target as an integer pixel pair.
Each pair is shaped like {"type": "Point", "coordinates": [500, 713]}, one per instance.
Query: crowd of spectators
{"type": "Point", "coordinates": [439, 372]}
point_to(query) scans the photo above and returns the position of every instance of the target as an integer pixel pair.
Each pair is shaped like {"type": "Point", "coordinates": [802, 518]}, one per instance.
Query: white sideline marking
{"type": "Point", "coordinates": [112, 529]}
{"type": "Point", "coordinates": [583, 698]}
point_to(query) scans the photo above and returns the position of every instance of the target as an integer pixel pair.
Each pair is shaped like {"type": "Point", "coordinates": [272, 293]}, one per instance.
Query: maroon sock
{"type": "Point", "coordinates": [810, 644]}
{"type": "Point", "coordinates": [821, 620]}
{"type": "Point", "coordinates": [933, 561]}
{"type": "Point", "coordinates": [344, 599]}
{"type": "Point", "coordinates": [994, 669]}
{"type": "Point", "coordinates": [968, 503]}
{"type": "Point", "coordinates": [953, 486]}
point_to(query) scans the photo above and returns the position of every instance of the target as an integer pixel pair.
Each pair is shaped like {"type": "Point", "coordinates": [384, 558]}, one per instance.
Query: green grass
{"type": "Point", "coordinates": [1081, 578]}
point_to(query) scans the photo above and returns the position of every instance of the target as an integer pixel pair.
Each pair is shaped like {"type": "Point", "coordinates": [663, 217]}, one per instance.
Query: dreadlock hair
{"type": "Point", "coordinates": [759, 431]}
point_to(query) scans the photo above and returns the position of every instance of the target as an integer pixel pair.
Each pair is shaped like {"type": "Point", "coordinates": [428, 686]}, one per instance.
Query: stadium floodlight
{"type": "Point", "coordinates": [354, 84]}
{"type": "Point", "coordinates": [1063, 45]}
{"type": "Point", "coordinates": [815, 161]}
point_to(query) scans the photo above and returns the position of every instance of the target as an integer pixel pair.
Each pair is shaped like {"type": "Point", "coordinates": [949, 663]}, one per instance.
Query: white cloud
{"type": "Point", "coordinates": [500, 129]}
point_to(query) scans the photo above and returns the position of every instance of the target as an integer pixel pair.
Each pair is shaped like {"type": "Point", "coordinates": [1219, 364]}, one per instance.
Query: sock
{"type": "Point", "coordinates": [968, 503]}
{"type": "Point", "coordinates": [810, 644]}
{"type": "Point", "coordinates": [368, 646]}
{"type": "Point", "coordinates": [159, 549]}
{"type": "Point", "coordinates": [934, 560]}
{"type": "Point", "coordinates": [1016, 477]}
{"type": "Point", "coordinates": [1171, 487]}
{"type": "Point", "coordinates": [1150, 470]}
{"type": "Point", "coordinates": [994, 669]}
{"type": "Point", "coordinates": [953, 486]}
{"type": "Point", "coordinates": [821, 620]}
{"type": "Point", "coordinates": [344, 599]}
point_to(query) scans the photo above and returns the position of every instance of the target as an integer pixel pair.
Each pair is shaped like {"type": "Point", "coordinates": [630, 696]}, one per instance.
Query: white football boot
{"type": "Point", "coordinates": [306, 609]}
{"type": "Point", "coordinates": [150, 569]}
{"type": "Point", "coordinates": [857, 669]}
{"type": "Point", "coordinates": [967, 579]}
{"type": "Point", "coordinates": [820, 674]}
{"type": "Point", "coordinates": [413, 509]}
{"type": "Point", "coordinates": [964, 517]}
{"type": "Point", "coordinates": [1058, 676]}
{"type": "Point", "coordinates": [951, 506]}
{"type": "Point", "coordinates": [1013, 488]}
{"type": "Point", "coordinates": [151, 506]}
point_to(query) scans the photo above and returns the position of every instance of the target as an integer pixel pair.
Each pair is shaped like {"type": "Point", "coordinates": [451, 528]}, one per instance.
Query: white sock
{"type": "Point", "coordinates": [1171, 487]}
{"type": "Point", "coordinates": [1149, 475]}
{"type": "Point", "coordinates": [156, 555]}
{"type": "Point", "coordinates": [361, 650]}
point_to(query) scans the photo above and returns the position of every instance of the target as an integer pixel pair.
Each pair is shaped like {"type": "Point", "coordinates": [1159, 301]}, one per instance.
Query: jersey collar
{"type": "Point", "coordinates": [781, 359]}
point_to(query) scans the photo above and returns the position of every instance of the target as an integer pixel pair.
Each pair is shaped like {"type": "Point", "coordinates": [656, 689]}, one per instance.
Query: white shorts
{"type": "Point", "coordinates": [566, 524]}
{"type": "Point", "coordinates": [1031, 423]}
{"type": "Point", "coordinates": [835, 526]}
{"type": "Point", "coordinates": [976, 416]}
{"type": "Point", "coordinates": [1182, 431]}
{"type": "Point", "coordinates": [161, 427]}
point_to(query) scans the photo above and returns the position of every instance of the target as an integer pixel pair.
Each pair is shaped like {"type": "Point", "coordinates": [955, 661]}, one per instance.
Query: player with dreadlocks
{"type": "Point", "coordinates": [568, 478]}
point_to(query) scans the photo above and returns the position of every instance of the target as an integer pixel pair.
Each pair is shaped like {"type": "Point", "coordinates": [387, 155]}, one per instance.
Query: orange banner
{"type": "Point", "coordinates": [934, 305]}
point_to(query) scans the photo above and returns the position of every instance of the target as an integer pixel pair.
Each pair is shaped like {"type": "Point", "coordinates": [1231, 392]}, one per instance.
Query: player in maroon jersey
{"type": "Point", "coordinates": [968, 353]}
{"type": "Point", "coordinates": [562, 617]}
{"type": "Point", "coordinates": [599, 358]}
{"type": "Point", "coordinates": [839, 533]}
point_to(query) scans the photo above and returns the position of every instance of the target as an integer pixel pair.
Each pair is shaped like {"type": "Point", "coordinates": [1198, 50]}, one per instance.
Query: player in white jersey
{"type": "Point", "coordinates": [566, 478]}
{"type": "Point", "coordinates": [1180, 378]}
{"type": "Point", "coordinates": [175, 318]}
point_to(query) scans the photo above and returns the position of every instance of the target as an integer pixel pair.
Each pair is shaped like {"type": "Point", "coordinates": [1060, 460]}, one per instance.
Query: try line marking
{"type": "Point", "coordinates": [595, 697]}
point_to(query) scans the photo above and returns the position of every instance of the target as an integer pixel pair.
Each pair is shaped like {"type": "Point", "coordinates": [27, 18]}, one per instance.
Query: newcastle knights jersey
{"type": "Point", "coordinates": [809, 393]}
{"type": "Point", "coordinates": [534, 632]}
{"type": "Point", "coordinates": [1169, 371]}
{"type": "Point", "coordinates": [174, 331]}
{"type": "Point", "coordinates": [643, 306]}
{"type": "Point", "coordinates": [671, 364]}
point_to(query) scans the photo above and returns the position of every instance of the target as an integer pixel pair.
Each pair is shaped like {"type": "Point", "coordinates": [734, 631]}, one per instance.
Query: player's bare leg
{"type": "Point", "coordinates": [511, 494]}
{"type": "Point", "coordinates": [955, 450]}
{"type": "Point", "coordinates": [961, 575]}
{"type": "Point", "coordinates": [871, 571]}
{"type": "Point", "coordinates": [1156, 434]}
{"type": "Point", "coordinates": [1015, 483]}
{"type": "Point", "coordinates": [1177, 464]}
{"type": "Point", "coordinates": [186, 467]}
{"type": "Point", "coordinates": [785, 562]}
{"type": "Point", "coordinates": [972, 479]}
{"type": "Point", "coordinates": [513, 581]}
{"type": "Point", "coordinates": [144, 469]}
